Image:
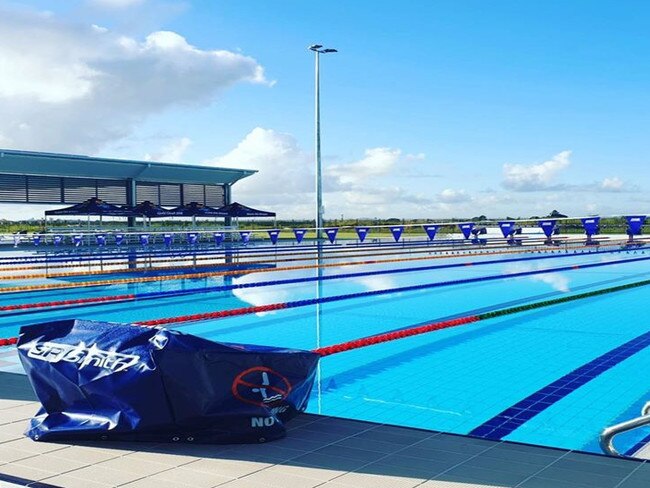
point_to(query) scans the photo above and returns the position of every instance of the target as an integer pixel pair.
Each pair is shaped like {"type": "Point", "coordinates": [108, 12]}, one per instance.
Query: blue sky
{"type": "Point", "coordinates": [430, 109]}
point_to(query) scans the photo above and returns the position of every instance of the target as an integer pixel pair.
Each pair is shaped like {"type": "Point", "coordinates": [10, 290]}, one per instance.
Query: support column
{"type": "Point", "coordinates": [227, 198]}
{"type": "Point", "coordinates": [131, 196]}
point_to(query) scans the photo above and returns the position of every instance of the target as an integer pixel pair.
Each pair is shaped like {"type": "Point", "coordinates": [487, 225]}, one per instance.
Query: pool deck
{"type": "Point", "coordinates": [318, 451]}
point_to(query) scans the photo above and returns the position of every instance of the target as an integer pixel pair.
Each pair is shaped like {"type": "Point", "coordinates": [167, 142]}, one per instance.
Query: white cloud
{"type": "Point", "coordinates": [73, 88]}
{"type": "Point", "coordinates": [116, 4]}
{"type": "Point", "coordinates": [557, 281]}
{"type": "Point", "coordinates": [285, 182]}
{"type": "Point", "coordinates": [275, 155]}
{"type": "Point", "coordinates": [172, 152]}
{"type": "Point", "coordinates": [416, 157]}
{"type": "Point", "coordinates": [264, 295]}
{"type": "Point", "coordinates": [532, 177]}
{"type": "Point", "coordinates": [449, 195]}
{"type": "Point", "coordinates": [374, 283]}
{"type": "Point", "coordinates": [377, 161]}
{"type": "Point", "coordinates": [612, 184]}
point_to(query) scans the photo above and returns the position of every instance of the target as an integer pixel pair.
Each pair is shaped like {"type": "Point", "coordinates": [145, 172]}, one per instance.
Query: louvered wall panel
{"type": "Point", "coordinates": [44, 189]}
{"type": "Point", "coordinates": [13, 188]}
{"type": "Point", "coordinates": [170, 195]}
{"type": "Point", "coordinates": [193, 193]}
{"type": "Point", "coordinates": [215, 196]}
{"type": "Point", "coordinates": [147, 191]}
{"type": "Point", "coordinates": [50, 189]}
{"type": "Point", "coordinates": [76, 190]}
{"type": "Point", "coordinates": [112, 191]}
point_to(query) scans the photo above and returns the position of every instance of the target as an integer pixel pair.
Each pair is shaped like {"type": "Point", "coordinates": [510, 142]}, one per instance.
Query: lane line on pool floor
{"type": "Point", "coordinates": [513, 417]}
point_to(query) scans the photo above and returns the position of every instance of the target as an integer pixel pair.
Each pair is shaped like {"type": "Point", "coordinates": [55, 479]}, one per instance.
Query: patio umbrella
{"type": "Point", "coordinates": [236, 209]}
{"type": "Point", "coordinates": [195, 209]}
{"type": "Point", "coordinates": [150, 210]}
{"type": "Point", "coordinates": [92, 206]}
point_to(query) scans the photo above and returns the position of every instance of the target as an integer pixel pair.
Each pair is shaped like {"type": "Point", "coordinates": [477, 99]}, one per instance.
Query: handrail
{"type": "Point", "coordinates": [608, 434]}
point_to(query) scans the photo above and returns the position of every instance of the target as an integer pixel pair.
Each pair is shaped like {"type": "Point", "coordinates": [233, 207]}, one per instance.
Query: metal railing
{"type": "Point", "coordinates": [608, 434]}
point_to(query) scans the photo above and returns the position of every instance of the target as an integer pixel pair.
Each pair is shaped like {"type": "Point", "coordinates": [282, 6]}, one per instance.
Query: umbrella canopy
{"type": "Point", "coordinates": [236, 209]}
{"type": "Point", "coordinates": [195, 209]}
{"type": "Point", "coordinates": [151, 210]}
{"type": "Point", "coordinates": [92, 206]}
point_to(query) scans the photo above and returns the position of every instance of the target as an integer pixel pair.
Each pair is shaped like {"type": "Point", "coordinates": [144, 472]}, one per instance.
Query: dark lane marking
{"type": "Point", "coordinates": [521, 412]}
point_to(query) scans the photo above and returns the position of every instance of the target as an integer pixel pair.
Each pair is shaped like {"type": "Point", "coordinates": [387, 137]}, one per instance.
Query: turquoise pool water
{"type": "Point", "coordinates": [456, 380]}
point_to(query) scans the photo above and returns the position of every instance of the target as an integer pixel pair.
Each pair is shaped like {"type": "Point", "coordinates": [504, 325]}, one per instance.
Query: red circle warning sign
{"type": "Point", "coordinates": [260, 386]}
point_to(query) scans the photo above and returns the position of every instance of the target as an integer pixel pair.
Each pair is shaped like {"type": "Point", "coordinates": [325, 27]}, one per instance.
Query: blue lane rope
{"type": "Point", "coordinates": [249, 249]}
{"type": "Point", "coordinates": [335, 298]}
{"type": "Point", "coordinates": [239, 251]}
{"type": "Point", "coordinates": [221, 288]}
{"type": "Point", "coordinates": [379, 272]}
{"type": "Point", "coordinates": [334, 254]}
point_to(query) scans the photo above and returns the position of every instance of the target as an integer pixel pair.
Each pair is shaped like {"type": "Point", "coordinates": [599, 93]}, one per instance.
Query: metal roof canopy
{"type": "Point", "coordinates": [69, 165]}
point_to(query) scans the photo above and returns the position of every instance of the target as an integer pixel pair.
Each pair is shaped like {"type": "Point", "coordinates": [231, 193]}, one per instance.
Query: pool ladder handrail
{"type": "Point", "coordinates": [608, 434]}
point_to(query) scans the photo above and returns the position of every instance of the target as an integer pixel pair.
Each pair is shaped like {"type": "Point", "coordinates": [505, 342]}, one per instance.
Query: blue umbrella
{"type": "Point", "coordinates": [151, 210]}
{"type": "Point", "coordinates": [92, 206]}
{"type": "Point", "coordinates": [236, 209]}
{"type": "Point", "coordinates": [195, 209]}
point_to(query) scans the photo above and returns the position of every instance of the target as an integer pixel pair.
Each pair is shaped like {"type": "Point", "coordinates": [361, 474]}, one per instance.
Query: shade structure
{"type": "Point", "coordinates": [92, 206]}
{"type": "Point", "coordinates": [236, 209]}
{"type": "Point", "coordinates": [151, 210]}
{"type": "Point", "coordinates": [195, 209]}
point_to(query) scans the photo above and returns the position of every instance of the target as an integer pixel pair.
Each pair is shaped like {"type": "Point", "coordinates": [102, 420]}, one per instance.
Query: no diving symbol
{"type": "Point", "coordinates": [260, 386]}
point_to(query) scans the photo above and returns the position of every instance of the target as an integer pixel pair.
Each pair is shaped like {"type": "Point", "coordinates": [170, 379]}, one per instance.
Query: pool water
{"type": "Point", "coordinates": [551, 376]}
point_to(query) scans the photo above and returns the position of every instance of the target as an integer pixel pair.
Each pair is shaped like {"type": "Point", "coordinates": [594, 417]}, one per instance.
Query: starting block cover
{"type": "Point", "coordinates": [98, 380]}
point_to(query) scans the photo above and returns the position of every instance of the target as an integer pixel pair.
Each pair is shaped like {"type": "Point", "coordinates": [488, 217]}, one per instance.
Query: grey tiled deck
{"type": "Point", "coordinates": [319, 451]}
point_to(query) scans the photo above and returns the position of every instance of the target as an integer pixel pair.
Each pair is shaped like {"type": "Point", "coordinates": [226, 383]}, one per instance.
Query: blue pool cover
{"type": "Point", "coordinates": [98, 380]}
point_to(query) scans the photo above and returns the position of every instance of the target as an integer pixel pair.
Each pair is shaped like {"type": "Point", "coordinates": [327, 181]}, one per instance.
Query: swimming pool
{"type": "Point", "coordinates": [580, 364]}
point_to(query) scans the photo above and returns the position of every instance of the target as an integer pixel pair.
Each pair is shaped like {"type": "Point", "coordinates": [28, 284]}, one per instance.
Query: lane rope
{"type": "Point", "coordinates": [331, 254]}
{"type": "Point", "coordinates": [335, 298]}
{"type": "Point", "coordinates": [53, 263]}
{"type": "Point", "coordinates": [401, 333]}
{"type": "Point", "coordinates": [26, 307]}
{"type": "Point", "coordinates": [241, 251]}
{"type": "Point", "coordinates": [275, 249]}
{"type": "Point", "coordinates": [446, 324]}
{"type": "Point", "coordinates": [148, 279]}
{"type": "Point", "coordinates": [249, 263]}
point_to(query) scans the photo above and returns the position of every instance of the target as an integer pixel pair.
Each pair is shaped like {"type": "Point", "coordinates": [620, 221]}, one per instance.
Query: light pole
{"type": "Point", "coordinates": [318, 50]}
